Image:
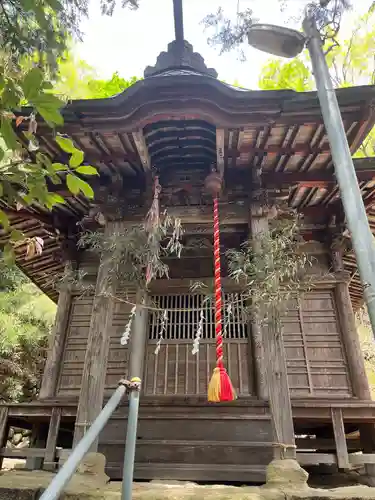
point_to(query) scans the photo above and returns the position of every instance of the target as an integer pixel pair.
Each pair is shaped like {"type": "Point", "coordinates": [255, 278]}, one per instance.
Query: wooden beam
{"type": "Point", "coordinates": [325, 444]}
{"type": "Point", "coordinates": [316, 458]}
{"type": "Point", "coordinates": [279, 150]}
{"type": "Point", "coordinates": [276, 371]}
{"type": "Point", "coordinates": [96, 356]}
{"type": "Point", "coordinates": [4, 429]}
{"type": "Point", "coordinates": [258, 226]}
{"type": "Point", "coordinates": [317, 179]}
{"type": "Point", "coordinates": [362, 459]}
{"type": "Point", "coordinates": [142, 149]}
{"type": "Point", "coordinates": [53, 432]}
{"type": "Point", "coordinates": [364, 126]}
{"type": "Point", "coordinates": [340, 439]}
{"type": "Point", "coordinates": [354, 356]}
{"type": "Point", "coordinates": [57, 342]}
{"type": "Point", "coordinates": [22, 452]}
{"type": "Point", "coordinates": [220, 143]}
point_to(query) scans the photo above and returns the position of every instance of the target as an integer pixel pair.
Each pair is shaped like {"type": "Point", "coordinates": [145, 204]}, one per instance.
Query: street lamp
{"type": "Point", "coordinates": [285, 42]}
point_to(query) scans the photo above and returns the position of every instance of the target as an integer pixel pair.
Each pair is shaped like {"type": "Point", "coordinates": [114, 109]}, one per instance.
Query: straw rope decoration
{"type": "Point", "coordinates": [152, 221]}
{"type": "Point", "coordinates": [220, 387]}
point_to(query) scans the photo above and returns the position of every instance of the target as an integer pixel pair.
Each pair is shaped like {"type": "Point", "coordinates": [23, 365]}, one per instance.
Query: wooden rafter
{"type": "Point", "coordinates": [142, 149]}
{"type": "Point", "coordinates": [316, 179]}
{"type": "Point", "coordinates": [220, 142]}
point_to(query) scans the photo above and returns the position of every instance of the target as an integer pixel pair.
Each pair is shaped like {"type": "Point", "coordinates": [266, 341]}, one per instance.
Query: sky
{"type": "Point", "coordinates": [129, 41]}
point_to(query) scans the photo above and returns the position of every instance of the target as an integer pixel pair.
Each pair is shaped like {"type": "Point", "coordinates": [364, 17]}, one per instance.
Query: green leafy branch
{"type": "Point", "coordinates": [27, 175]}
{"type": "Point", "coordinates": [272, 269]}
{"type": "Point", "coordinates": [132, 250]}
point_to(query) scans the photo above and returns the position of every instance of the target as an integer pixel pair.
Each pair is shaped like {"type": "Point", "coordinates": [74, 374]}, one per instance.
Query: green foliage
{"type": "Point", "coordinates": [39, 28]}
{"type": "Point", "coordinates": [136, 254]}
{"type": "Point", "coordinates": [228, 34]}
{"type": "Point", "coordinates": [11, 277]}
{"type": "Point", "coordinates": [351, 62]}
{"type": "Point", "coordinates": [75, 79]}
{"type": "Point", "coordinates": [293, 75]}
{"type": "Point", "coordinates": [109, 88]}
{"type": "Point", "coordinates": [26, 318]}
{"type": "Point", "coordinates": [34, 38]}
{"type": "Point", "coordinates": [271, 267]}
{"type": "Point", "coordinates": [72, 77]}
{"type": "Point", "coordinates": [108, 6]}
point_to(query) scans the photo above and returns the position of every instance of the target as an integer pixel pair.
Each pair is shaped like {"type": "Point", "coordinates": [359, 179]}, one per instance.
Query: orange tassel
{"type": "Point", "coordinates": [220, 387]}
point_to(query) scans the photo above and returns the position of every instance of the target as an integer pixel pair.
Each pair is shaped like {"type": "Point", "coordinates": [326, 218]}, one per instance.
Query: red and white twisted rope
{"type": "Point", "coordinates": [218, 299]}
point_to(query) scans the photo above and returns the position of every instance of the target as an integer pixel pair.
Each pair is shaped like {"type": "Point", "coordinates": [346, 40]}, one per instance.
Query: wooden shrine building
{"type": "Point", "coordinates": [180, 119]}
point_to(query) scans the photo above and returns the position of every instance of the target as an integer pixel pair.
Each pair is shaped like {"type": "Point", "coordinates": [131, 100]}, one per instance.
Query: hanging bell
{"type": "Point", "coordinates": [213, 184]}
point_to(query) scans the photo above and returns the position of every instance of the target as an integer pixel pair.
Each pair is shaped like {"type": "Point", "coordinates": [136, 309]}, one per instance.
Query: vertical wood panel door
{"type": "Point", "coordinates": [175, 370]}
{"type": "Point", "coordinates": [315, 355]}
{"type": "Point", "coordinates": [75, 347]}
{"type": "Point", "coordinates": [118, 356]}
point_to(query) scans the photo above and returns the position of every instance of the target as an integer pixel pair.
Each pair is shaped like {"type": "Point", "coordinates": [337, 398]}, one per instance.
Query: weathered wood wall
{"type": "Point", "coordinates": [74, 354]}
{"type": "Point", "coordinates": [69, 383]}
{"type": "Point", "coordinates": [193, 442]}
{"type": "Point", "coordinates": [315, 353]}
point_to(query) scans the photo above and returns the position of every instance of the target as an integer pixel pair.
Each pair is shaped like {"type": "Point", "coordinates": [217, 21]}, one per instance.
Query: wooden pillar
{"type": "Point", "coordinates": [4, 430]}
{"type": "Point", "coordinates": [95, 365]}
{"type": "Point", "coordinates": [57, 341]}
{"type": "Point", "coordinates": [275, 366]}
{"type": "Point", "coordinates": [53, 433]}
{"type": "Point", "coordinates": [340, 439]}
{"type": "Point", "coordinates": [258, 225]}
{"type": "Point", "coordinates": [350, 337]}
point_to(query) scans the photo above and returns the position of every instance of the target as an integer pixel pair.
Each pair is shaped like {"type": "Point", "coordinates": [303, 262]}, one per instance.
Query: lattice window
{"type": "Point", "coordinates": [184, 312]}
{"type": "Point", "coordinates": [175, 370]}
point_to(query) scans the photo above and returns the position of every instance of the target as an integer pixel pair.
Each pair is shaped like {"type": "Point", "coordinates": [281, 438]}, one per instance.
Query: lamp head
{"type": "Point", "coordinates": [276, 40]}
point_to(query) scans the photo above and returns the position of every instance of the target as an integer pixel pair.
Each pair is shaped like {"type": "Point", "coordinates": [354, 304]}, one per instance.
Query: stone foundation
{"type": "Point", "coordinates": [24, 485]}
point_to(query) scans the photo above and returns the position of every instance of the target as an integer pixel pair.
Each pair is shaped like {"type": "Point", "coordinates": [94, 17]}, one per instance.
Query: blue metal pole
{"type": "Point", "coordinates": [66, 472]}
{"type": "Point", "coordinates": [131, 440]}
{"type": "Point", "coordinates": [136, 361]}
{"type": "Point", "coordinates": [362, 238]}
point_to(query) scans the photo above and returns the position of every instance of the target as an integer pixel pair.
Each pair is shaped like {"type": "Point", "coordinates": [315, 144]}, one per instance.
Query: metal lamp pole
{"type": "Point", "coordinates": [362, 238]}
{"type": "Point", "coordinates": [289, 43]}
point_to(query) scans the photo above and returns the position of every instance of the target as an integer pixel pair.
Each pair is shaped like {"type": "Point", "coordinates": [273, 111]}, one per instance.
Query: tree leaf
{"type": "Point", "coordinates": [66, 144]}
{"type": "Point", "coordinates": [54, 199]}
{"type": "Point", "coordinates": [11, 96]}
{"type": "Point", "coordinates": [8, 254]}
{"type": "Point", "coordinates": [76, 159]}
{"type": "Point", "coordinates": [4, 221]}
{"type": "Point", "coordinates": [52, 116]}
{"type": "Point", "coordinates": [75, 185]}
{"type": "Point", "coordinates": [32, 83]}
{"type": "Point", "coordinates": [87, 190]}
{"type": "Point", "coordinates": [87, 170]}
{"type": "Point", "coordinates": [57, 167]}
{"type": "Point", "coordinates": [16, 235]}
{"type": "Point", "coordinates": [48, 106]}
{"type": "Point", "coordinates": [8, 134]}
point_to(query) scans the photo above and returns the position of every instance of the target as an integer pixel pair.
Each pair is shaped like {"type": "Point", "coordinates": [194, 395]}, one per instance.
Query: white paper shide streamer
{"type": "Point", "coordinates": [126, 335]}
